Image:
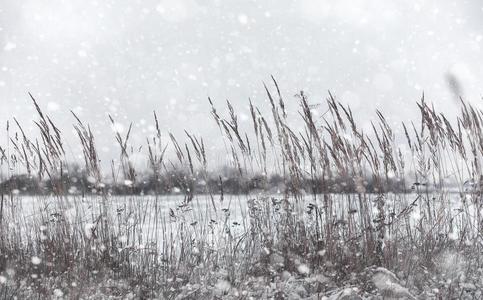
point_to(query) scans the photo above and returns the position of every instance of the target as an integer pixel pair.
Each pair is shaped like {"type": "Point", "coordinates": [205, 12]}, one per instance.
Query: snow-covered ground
{"type": "Point", "coordinates": [140, 223]}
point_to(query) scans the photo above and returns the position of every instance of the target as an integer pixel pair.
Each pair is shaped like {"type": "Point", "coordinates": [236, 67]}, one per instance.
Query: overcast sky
{"type": "Point", "coordinates": [130, 57]}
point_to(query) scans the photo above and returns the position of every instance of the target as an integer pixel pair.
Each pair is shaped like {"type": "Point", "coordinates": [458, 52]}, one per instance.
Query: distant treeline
{"type": "Point", "coordinates": [227, 180]}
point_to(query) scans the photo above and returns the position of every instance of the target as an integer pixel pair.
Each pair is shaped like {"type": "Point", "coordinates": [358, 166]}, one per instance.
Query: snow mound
{"type": "Point", "coordinates": [388, 285]}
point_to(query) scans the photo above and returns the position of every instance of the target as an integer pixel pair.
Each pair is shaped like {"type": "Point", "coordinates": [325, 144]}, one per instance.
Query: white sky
{"type": "Point", "coordinates": [130, 57]}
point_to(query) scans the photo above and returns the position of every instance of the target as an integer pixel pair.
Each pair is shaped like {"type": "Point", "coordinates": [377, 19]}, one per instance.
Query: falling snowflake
{"type": "Point", "coordinates": [36, 260]}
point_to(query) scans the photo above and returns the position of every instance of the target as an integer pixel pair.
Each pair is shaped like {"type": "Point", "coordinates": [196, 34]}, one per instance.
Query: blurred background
{"type": "Point", "coordinates": [130, 57]}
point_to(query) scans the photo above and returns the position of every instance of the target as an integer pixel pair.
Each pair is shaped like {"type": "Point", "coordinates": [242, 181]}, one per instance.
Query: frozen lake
{"type": "Point", "coordinates": [152, 217]}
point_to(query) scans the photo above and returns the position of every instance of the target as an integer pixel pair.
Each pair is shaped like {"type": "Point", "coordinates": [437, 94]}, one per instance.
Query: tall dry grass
{"type": "Point", "coordinates": [304, 230]}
